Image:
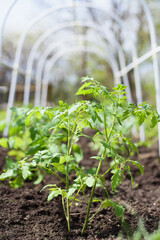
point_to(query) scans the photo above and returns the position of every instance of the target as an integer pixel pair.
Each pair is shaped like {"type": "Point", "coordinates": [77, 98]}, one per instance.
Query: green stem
{"type": "Point", "coordinates": [76, 195]}
{"type": "Point", "coordinates": [64, 207]}
{"type": "Point", "coordinates": [69, 148]}
{"type": "Point", "coordinates": [91, 198]}
{"type": "Point", "coordinates": [67, 178]}
{"type": "Point", "coordinates": [96, 212]}
{"type": "Point", "coordinates": [97, 173]}
{"type": "Point", "coordinates": [85, 197]}
{"type": "Point", "coordinates": [51, 172]}
{"type": "Point", "coordinates": [108, 170]}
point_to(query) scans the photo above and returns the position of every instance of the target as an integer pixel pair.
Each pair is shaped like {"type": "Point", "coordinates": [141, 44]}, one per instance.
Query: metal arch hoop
{"type": "Point", "coordinates": [60, 54]}
{"type": "Point", "coordinates": [20, 45]}
{"type": "Point", "coordinates": [52, 47]}
{"type": "Point", "coordinates": [15, 1]}
{"type": "Point", "coordinates": [51, 31]}
{"type": "Point", "coordinates": [7, 12]}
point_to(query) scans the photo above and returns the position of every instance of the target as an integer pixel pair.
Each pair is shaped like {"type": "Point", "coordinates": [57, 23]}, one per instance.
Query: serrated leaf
{"type": "Point", "coordinates": [25, 172]}
{"type": "Point", "coordinates": [49, 113]}
{"type": "Point", "coordinates": [10, 164]}
{"type": "Point", "coordinates": [53, 194]}
{"type": "Point", "coordinates": [62, 160]}
{"type": "Point", "coordinates": [7, 174]}
{"type": "Point", "coordinates": [70, 192]}
{"type": "Point", "coordinates": [38, 114]}
{"type": "Point", "coordinates": [153, 121]}
{"type": "Point", "coordinates": [106, 145]}
{"type": "Point", "coordinates": [141, 168]}
{"type": "Point", "coordinates": [28, 120]}
{"type": "Point", "coordinates": [116, 180]}
{"type": "Point", "coordinates": [59, 167]}
{"type": "Point", "coordinates": [141, 118]}
{"type": "Point", "coordinates": [90, 181]}
{"type": "Point", "coordinates": [85, 92]}
{"type": "Point", "coordinates": [74, 108]}
{"type": "Point", "coordinates": [119, 210]}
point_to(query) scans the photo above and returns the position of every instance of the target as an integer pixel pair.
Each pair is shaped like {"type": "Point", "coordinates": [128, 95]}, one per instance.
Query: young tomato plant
{"type": "Point", "coordinates": [63, 154]}
{"type": "Point", "coordinates": [53, 148]}
{"type": "Point", "coordinates": [110, 112]}
{"type": "Point", "coordinates": [23, 142]}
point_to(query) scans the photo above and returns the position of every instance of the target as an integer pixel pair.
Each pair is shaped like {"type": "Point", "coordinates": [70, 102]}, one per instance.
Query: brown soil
{"type": "Point", "coordinates": [25, 213]}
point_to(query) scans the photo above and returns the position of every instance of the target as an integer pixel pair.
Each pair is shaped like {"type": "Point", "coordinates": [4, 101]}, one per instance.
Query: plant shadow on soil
{"type": "Point", "coordinates": [26, 215]}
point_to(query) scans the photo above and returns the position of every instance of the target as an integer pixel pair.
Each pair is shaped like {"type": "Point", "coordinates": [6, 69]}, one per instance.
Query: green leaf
{"type": "Point", "coordinates": [141, 118]}
{"type": "Point", "coordinates": [59, 167]}
{"type": "Point", "coordinates": [116, 180]}
{"type": "Point", "coordinates": [97, 200]}
{"type": "Point", "coordinates": [48, 185]}
{"type": "Point", "coordinates": [54, 193]}
{"type": "Point", "coordinates": [83, 91]}
{"type": "Point", "coordinates": [78, 154]}
{"type": "Point", "coordinates": [87, 78]}
{"type": "Point", "coordinates": [153, 121]}
{"type": "Point", "coordinates": [98, 158]}
{"type": "Point", "coordinates": [62, 160]}
{"type": "Point", "coordinates": [74, 108]}
{"type": "Point", "coordinates": [8, 173]}
{"type": "Point", "coordinates": [130, 144]}
{"type": "Point", "coordinates": [10, 164]}
{"type": "Point", "coordinates": [18, 182]}
{"type": "Point", "coordinates": [4, 142]}
{"type": "Point", "coordinates": [118, 119]}
{"type": "Point", "coordinates": [141, 168]}
{"type": "Point", "coordinates": [39, 179]}
{"type": "Point", "coordinates": [28, 120]}
{"type": "Point", "coordinates": [119, 210]}
{"type": "Point", "coordinates": [84, 135]}
{"type": "Point", "coordinates": [29, 115]}
{"type": "Point", "coordinates": [106, 145]}
{"type": "Point", "coordinates": [39, 114]}
{"type": "Point", "coordinates": [26, 172]}
{"type": "Point", "coordinates": [70, 192]}
{"type": "Point", "coordinates": [90, 181]}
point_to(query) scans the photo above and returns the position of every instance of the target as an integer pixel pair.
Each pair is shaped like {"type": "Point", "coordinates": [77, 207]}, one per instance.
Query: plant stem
{"type": "Point", "coordinates": [91, 197]}
{"type": "Point", "coordinates": [98, 170]}
{"type": "Point", "coordinates": [67, 179]}
{"type": "Point", "coordinates": [69, 148]}
{"type": "Point", "coordinates": [51, 172]}
{"type": "Point", "coordinates": [96, 212]}
{"type": "Point", "coordinates": [68, 207]}
{"type": "Point", "coordinates": [76, 195]}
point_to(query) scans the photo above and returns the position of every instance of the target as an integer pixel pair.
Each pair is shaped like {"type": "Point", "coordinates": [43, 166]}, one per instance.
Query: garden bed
{"type": "Point", "coordinates": [25, 213]}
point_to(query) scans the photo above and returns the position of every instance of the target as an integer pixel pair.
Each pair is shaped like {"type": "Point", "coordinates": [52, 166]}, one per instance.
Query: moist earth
{"type": "Point", "coordinates": [26, 215]}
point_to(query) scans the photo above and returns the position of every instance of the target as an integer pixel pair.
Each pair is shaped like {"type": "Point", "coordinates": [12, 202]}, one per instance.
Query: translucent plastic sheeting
{"type": "Point", "coordinates": [20, 46]}
{"type": "Point", "coordinates": [73, 5]}
{"type": "Point", "coordinates": [4, 20]}
{"type": "Point", "coordinates": [109, 58]}
{"type": "Point", "coordinates": [62, 53]}
{"type": "Point", "coordinates": [113, 42]}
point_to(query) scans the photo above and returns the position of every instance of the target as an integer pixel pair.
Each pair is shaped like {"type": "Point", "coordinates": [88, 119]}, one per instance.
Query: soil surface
{"type": "Point", "coordinates": [25, 213]}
